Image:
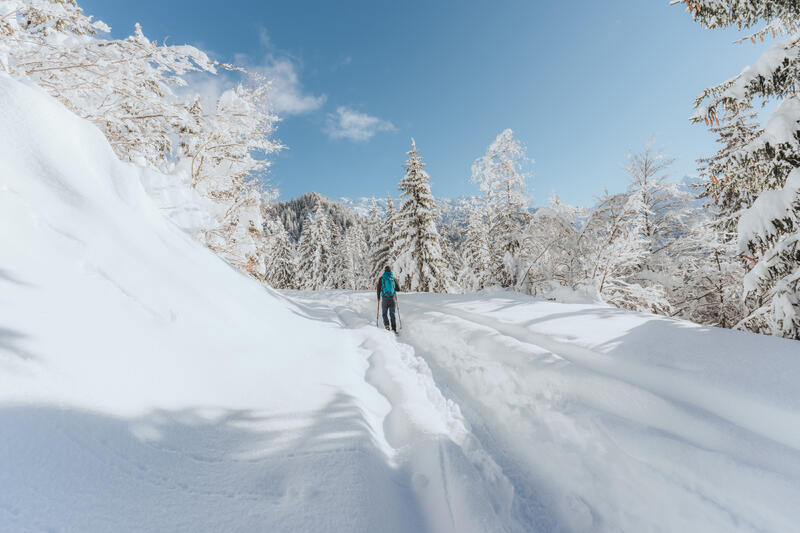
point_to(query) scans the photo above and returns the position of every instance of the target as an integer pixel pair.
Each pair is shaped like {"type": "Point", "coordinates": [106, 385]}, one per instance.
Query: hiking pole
{"type": "Point", "coordinates": [399, 320]}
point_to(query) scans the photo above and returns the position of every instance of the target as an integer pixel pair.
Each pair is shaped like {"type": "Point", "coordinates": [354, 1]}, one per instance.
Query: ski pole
{"type": "Point", "coordinates": [397, 305]}
{"type": "Point", "coordinates": [377, 313]}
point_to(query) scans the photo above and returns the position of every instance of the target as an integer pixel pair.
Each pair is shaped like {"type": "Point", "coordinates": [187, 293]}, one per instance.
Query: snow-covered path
{"type": "Point", "coordinates": [606, 420]}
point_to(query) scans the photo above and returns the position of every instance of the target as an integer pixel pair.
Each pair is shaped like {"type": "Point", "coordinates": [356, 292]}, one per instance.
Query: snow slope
{"type": "Point", "coordinates": [147, 386]}
{"type": "Point", "coordinates": [607, 420]}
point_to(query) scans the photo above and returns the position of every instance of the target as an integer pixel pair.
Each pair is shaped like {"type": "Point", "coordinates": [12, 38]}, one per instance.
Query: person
{"type": "Point", "coordinates": [387, 296]}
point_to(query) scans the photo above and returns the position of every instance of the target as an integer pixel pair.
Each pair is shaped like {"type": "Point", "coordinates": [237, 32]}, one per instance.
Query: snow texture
{"type": "Point", "coordinates": [147, 385]}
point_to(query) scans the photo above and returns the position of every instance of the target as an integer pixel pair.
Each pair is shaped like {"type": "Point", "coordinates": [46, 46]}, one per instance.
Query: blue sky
{"type": "Point", "coordinates": [581, 84]}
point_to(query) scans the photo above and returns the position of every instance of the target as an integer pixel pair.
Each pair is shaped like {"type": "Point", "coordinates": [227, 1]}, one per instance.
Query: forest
{"type": "Point", "coordinates": [722, 250]}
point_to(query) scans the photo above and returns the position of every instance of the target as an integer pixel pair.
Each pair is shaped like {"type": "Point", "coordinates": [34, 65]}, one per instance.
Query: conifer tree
{"type": "Point", "coordinates": [280, 257]}
{"type": "Point", "coordinates": [731, 182]}
{"type": "Point", "coordinates": [476, 270]}
{"type": "Point", "coordinates": [768, 224]}
{"type": "Point", "coordinates": [500, 174]}
{"type": "Point", "coordinates": [373, 224]}
{"type": "Point", "coordinates": [315, 264]}
{"type": "Point", "coordinates": [351, 259]}
{"type": "Point", "coordinates": [419, 260]}
{"type": "Point", "coordinates": [381, 253]}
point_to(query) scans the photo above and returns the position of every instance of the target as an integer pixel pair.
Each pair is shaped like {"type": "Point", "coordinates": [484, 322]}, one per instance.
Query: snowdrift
{"type": "Point", "coordinates": [145, 385]}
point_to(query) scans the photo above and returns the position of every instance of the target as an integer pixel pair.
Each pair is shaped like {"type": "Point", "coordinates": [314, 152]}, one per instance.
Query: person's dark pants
{"type": "Point", "coordinates": [387, 306]}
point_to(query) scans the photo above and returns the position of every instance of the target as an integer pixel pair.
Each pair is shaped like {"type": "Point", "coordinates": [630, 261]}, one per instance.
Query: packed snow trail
{"type": "Point", "coordinates": [606, 420]}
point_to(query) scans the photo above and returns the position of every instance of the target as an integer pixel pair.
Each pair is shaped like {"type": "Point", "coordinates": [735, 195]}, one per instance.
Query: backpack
{"type": "Point", "coordinates": [387, 285]}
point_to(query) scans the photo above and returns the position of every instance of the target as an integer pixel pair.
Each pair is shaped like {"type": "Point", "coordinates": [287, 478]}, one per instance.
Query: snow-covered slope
{"type": "Point", "coordinates": [145, 385]}
{"type": "Point", "coordinates": [606, 420]}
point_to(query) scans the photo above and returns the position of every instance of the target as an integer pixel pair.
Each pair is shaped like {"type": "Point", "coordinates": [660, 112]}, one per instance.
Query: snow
{"type": "Point", "coordinates": [607, 420]}
{"type": "Point", "coordinates": [756, 221]}
{"type": "Point", "coordinates": [147, 385]}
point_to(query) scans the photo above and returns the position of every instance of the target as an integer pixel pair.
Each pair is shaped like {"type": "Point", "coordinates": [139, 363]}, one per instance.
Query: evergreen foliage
{"type": "Point", "coordinates": [758, 190]}
{"type": "Point", "coordinates": [316, 258]}
{"type": "Point", "coordinates": [420, 264]}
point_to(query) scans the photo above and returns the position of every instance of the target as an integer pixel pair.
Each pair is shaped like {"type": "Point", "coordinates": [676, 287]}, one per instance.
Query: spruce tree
{"type": "Point", "coordinates": [419, 261]}
{"type": "Point", "coordinates": [768, 190]}
{"type": "Point", "coordinates": [351, 259]}
{"type": "Point", "coordinates": [373, 224]}
{"type": "Point", "coordinates": [476, 270]}
{"type": "Point", "coordinates": [381, 253]}
{"type": "Point", "coordinates": [315, 269]}
{"type": "Point", "coordinates": [280, 257]}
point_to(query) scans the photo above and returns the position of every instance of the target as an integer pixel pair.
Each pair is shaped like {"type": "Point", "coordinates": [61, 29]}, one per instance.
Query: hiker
{"type": "Point", "coordinates": [387, 296]}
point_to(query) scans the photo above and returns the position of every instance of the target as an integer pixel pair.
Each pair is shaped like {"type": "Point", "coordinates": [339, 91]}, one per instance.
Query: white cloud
{"type": "Point", "coordinates": [287, 95]}
{"type": "Point", "coordinates": [347, 123]}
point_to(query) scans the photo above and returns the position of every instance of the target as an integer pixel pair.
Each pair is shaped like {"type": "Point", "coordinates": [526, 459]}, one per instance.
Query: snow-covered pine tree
{"type": "Point", "coordinates": [732, 182]}
{"type": "Point", "coordinates": [280, 257]}
{"type": "Point", "coordinates": [372, 226]}
{"type": "Point", "coordinates": [420, 264]}
{"type": "Point", "coordinates": [381, 246]}
{"type": "Point", "coordinates": [501, 175]}
{"type": "Point", "coordinates": [315, 261]}
{"type": "Point", "coordinates": [351, 260]}
{"type": "Point", "coordinates": [769, 228]}
{"type": "Point", "coordinates": [475, 273]}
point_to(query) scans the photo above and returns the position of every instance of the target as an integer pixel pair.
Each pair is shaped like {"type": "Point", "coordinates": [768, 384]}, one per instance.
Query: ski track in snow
{"type": "Point", "coordinates": [458, 485]}
{"type": "Point", "coordinates": [593, 442]}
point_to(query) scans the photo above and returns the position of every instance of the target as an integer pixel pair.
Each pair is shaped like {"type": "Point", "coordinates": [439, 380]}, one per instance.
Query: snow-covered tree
{"type": "Point", "coordinates": [615, 248]}
{"type": "Point", "coordinates": [373, 223]}
{"type": "Point", "coordinates": [420, 264]}
{"type": "Point", "coordinates": [768, 227]}
{"type": "Point", "coordinates": [501, 175]}
{"type": "Point", "coordinates": [280, 257]}
{"type": "Point", "coordinates": [125, 87]}
{"type": "Point", "coordinates": [316, 257]}
{"type": "Point", "coordinates": [664, 210]}
{"type": "Point", "coordinates": [552, 249]}
{"type": "Point", "coordinates": [476, 270]}
{"type": "Point", "coordinates": [226, 157]}
{"type": "Point", "coordinates": [732, 182]}
{"type": "Point", "coordinates": [350, 270]}
{"type": "Point", "coordinates": [129, 89]}
{"type": "Point", "coordinates": [382, 243]}
{"type": "Point", "coordinates": [707, 276]}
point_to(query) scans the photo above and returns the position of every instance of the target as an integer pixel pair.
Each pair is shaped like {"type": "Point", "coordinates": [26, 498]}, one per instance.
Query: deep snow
{"type": "Point", "coordinates": [145, 385]}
